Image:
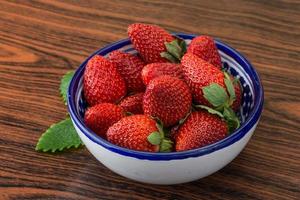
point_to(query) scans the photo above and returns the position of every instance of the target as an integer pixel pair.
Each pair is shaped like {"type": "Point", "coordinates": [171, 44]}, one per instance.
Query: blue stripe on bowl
{"type": "Point", "coordinates": [235, 63]}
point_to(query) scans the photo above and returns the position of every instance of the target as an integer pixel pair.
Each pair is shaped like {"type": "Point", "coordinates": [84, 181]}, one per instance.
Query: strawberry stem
{"type": "Point", "coordinates": [186, 116]}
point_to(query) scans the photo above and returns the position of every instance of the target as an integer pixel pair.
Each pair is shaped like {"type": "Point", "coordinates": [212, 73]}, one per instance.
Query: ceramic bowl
{"type": "Point", "coordinates": [175, 167]}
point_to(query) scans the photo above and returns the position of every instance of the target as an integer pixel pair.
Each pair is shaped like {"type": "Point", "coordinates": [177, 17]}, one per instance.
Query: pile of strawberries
{"type": "Point", "coordinates": [168, 97]}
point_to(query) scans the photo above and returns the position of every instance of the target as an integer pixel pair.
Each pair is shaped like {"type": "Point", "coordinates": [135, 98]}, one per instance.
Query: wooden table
{"type": "Point", "coordinates": [41, 40]}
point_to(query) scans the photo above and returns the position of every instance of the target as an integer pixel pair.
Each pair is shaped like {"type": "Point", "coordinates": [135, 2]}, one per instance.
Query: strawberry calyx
{"type": "Point", "coordinates": [218, 97]}
{"type": "Point", "coordinates": [175, 50]}
{"type": "Point", "coordinates": [210, 110]}
{"type": "Point", "coordinates": [230, 88]}
{"type": "Point", "coordinates": [158, 138]}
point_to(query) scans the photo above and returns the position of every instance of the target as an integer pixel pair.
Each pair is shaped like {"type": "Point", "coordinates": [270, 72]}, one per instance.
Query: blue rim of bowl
{"type": "Point", "coordinates": [231, 139]}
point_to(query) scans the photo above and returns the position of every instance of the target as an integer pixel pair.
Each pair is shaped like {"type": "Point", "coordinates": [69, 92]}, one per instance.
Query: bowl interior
{"type": "Point", "coordinates": [233, 62]}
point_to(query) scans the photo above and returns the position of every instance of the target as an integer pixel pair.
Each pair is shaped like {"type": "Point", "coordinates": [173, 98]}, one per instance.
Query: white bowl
{"type": "Point", "coordinates": [175, 167]}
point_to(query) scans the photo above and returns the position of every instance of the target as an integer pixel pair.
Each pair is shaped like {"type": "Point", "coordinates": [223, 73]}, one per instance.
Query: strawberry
{"type": "Point", "coordinates": [173, 132]}
{"type": "Point", "coordinates": [238, 96]}
{"type": "Point", "coordinates": [212, 88]}
{"type": "Point", "coordinates": [198, 74]}
{"type": "Point", "coordinates": [130, 67]}
{"type": "Point", "coordinates": [168, 99]}
{"type": "Point", "coordinates": [138, 132]}
{"type": "Point", "coordinates": [133, 103]}
{"type": "Point", "coordinates": [101, 116]}
{"type": "Point", "coordinates": [154, 70]}
{"type": "Point", "coordinates": [204, 47]}
{"type": "Point", "coordinates": [102, 82]}
{"type": "Point", "coordinates": [200, 129]}
{"type": "Point", "coordinates": [149, 41]}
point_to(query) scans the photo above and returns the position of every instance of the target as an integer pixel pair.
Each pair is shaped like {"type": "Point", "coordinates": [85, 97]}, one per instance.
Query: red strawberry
{"type": "Point", "coordinates": [200, 129]}
{"type": "Point", "coordinates": [202, 77]}
{"type": "Point", "coordinates": [198, 74]}
{"type": "Point", "coordinates": [204, 47]}
{"type": "Point", "coordinates": [149, 41]}
{"type": "Point", "coordinates": [154, 70]}
{"type": "Point", "coordinates": [132, 131]}
{"type": "Point", "coordinates": [133, 103]}
{"type": "Point", "coordinates": [167, 98]}
{"type": "Point", "coordinates": [102, 82]}
{"type": "Point", "coordinates": [238, 96]}
{"type": "Point", "coordinates": [130, 67]}
{"type": "Point", "coordinates": [101, 116]}
{"type": "Point", "coordinates": [173, 132]}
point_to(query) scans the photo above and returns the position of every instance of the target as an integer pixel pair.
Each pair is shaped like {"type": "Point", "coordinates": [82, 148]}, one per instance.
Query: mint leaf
{"type": "Point", "coordinates": [58, 137]}
{"type": "Point", "coordinates": [64, 84]}
{"type": "Point", "coordinates": [230, 88]}
{"type": "Point", "coordinates": [215, 94]}
{"type": "Point", "coordinates": [210, 110]}
{"type": "Point", "coordinates": [154, 138]}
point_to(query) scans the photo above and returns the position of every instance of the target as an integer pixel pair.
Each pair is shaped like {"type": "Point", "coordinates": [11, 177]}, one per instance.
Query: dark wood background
{"type": "Point", "coordinates": [41, 40]}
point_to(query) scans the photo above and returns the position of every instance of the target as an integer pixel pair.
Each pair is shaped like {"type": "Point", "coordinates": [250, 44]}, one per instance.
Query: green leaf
{"type": "Point", "coordinates": [215, 94]}
{"type": "Point", "coordinates": [154, 138]}
{"type": "Point", "coordinates": [159, 126]}
{"type": "Point", "coordinates": [228, 113]}
{"type": "Point", "coordinates": [231, 119]}
{"type": "Point", "coordinates": [166, 145]}
{"type": "Point", "coordinates": [230, 88]}
{"type": "Point", "coordinates": [210, 110]}
{"type": "Point", "coordinates": [182, 44]}
{"type": "Point", "coordinates": [64, 84]}
{"type": "Point", "coordinates": [58, 137]}
{"type": "Point", "coordinates": [174, 49]}
{"type": "Point", "coordinates": [235, 81]}
{"type": "Point", "coordinates": [159, 137]}
{"type": "Point", "coordinates": [169, 57]}
{"type": "Point", "coordinates": [231, 125]}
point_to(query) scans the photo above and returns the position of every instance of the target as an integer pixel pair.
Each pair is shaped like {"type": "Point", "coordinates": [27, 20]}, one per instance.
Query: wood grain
{"type": "Point", "coordinates": [41, 40]}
